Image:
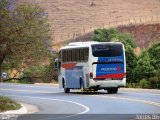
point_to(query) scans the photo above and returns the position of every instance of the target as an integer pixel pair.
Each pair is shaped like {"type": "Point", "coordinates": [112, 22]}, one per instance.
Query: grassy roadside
{"type": "Point", "coordinates": [8, 104]}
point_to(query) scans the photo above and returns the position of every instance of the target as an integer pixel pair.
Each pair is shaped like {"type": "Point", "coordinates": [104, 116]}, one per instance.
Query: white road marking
{"type": "Point", "coordinates": [36, 91]}
{"type": "Point", "coordinates": [27, 85]}
{"type": "Point", "coordinates": [87, 109]}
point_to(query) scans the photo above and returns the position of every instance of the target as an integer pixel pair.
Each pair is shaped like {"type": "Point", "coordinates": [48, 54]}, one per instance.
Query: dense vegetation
{"type": "Point", "coordinates": [8, 104]}
{"type": "Point", "coordinates": [142, 70]}
{"type": "Point", "coordinates": [40, 74]}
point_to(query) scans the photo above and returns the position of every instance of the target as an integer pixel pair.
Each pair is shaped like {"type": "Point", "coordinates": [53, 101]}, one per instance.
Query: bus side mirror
{"type": "Point", "coordinates": [57, 64]}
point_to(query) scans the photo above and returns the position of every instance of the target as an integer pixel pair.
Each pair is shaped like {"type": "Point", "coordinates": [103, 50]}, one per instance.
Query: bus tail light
{"type": "Point", "coordinates": [91, 75]}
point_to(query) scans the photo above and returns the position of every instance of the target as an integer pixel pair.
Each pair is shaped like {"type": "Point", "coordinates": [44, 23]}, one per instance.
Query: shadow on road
{"type": "Point", "coordinates": [77, 93]}
{"type": "Point", "coordinates": [88, 93]}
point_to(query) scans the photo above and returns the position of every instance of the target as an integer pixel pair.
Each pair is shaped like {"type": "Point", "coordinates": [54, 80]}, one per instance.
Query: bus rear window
{"type": "Point", "coordinates": [107, 50]}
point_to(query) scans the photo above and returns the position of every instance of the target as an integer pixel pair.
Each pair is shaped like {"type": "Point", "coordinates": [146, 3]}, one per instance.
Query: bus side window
{"type": "Point", "coordinates": [74, 55]}
{"type": "Point", "coordinates": [86, 54]}
{"type": "Point", "coordinates": [83, 59]}
{"type": "Point", "coordinates": [81, 54]}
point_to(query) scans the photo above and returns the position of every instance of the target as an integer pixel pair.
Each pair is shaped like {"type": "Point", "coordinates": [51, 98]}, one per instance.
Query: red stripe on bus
{"type": "Point", "coordinates": [122, 75]}
{"type": "Point", "coordinates": [69, 65]}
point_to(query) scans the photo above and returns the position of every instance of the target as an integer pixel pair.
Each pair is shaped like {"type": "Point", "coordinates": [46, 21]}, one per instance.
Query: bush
{"type": "Point", "coordinates": [131, 60]}
{"type": "Point", "coordinates": [32, 74]}
{"type": "Point", "coordinates": [144, 83]}
{"type": "Point", "coordinates": [49, 74]}
{"type": "Point", "coordinates": [40, 74]}
{"type": "Point", "coordinates": [154, 82]}
{"type": "Point", "coordinates": [154, 52]}
{"type": "Point", "coordinates": [8, 104]}
{"type": "Point", "coordinates": [144, 67]}
{"type": "Point", "coordinates": [100, 35]}
{"type": "Point", "coordinates": [131, 85]}
{"type": "Point", "coordinates": [155, 79]}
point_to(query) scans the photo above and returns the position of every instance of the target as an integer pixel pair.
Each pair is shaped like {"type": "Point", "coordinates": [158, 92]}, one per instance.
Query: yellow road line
{"type": "Point", "coordinates": [131, 100]}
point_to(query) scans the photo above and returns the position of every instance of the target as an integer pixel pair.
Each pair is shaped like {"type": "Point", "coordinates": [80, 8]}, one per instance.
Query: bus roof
{"type": "Point", "coordinates": [85, 44]}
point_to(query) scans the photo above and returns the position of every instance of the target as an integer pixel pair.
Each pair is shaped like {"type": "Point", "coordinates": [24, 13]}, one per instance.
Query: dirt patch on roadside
{"type": "Point", "coordinates": [69, 18]}
{"type": "Point", "coordinates": [31, 108]}
{"type": "Point", "coordinates": [144, 35]}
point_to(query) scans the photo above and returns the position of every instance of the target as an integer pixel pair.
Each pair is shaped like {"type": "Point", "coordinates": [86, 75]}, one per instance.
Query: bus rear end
{"type": "Point", "coordinates": [108, 66]}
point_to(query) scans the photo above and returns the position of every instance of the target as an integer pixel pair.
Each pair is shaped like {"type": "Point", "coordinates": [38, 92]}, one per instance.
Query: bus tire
{"type": "Point", "coordinates": [81, 84]}
{"type": "Point", "coordinates": [112, 90]}
{"type": "Point", "coordinates": [63, 83]}
{"type": "Point", "coordinates": [66, 90]}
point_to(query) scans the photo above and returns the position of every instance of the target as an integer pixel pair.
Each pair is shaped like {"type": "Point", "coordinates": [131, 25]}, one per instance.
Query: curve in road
{"type": "Point", "coordinates": [52, 101]}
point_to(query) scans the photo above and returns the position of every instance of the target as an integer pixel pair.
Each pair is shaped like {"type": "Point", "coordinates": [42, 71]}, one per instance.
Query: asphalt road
{"type": "Point", "coordinates": [54, 104]}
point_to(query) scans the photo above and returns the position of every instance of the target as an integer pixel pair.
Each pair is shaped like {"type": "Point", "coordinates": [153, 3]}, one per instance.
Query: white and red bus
{"type": "Point", "coordinates": [92, 65]}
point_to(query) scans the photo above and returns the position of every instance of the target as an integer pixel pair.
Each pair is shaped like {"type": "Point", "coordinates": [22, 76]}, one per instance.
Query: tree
{"type": "Point", "coordinates": [112, 34]}
{"type": "Point", "coordinates": [144, 67]}
{"type": "Point", "coordinates": [104, 35]}
{"type": "Point", "coordinates": [154, 53]}
{"type": "Point", "coordinates": [24, 34]}
{"type": "Point", "coordinates": [131, 62]}
{"type": "Point", "coordinates": [4, 20]}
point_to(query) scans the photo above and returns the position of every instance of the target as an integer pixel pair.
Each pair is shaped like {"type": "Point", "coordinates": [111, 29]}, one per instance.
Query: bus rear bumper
{"type": "Point", "coordinates": [107, 83]}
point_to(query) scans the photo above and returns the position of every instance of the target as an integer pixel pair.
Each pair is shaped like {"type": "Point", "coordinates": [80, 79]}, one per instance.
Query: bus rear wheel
{"type": "Point", "coordinates": [66, 90]}
{"type": "Point", "coordinates": [112, 90]}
